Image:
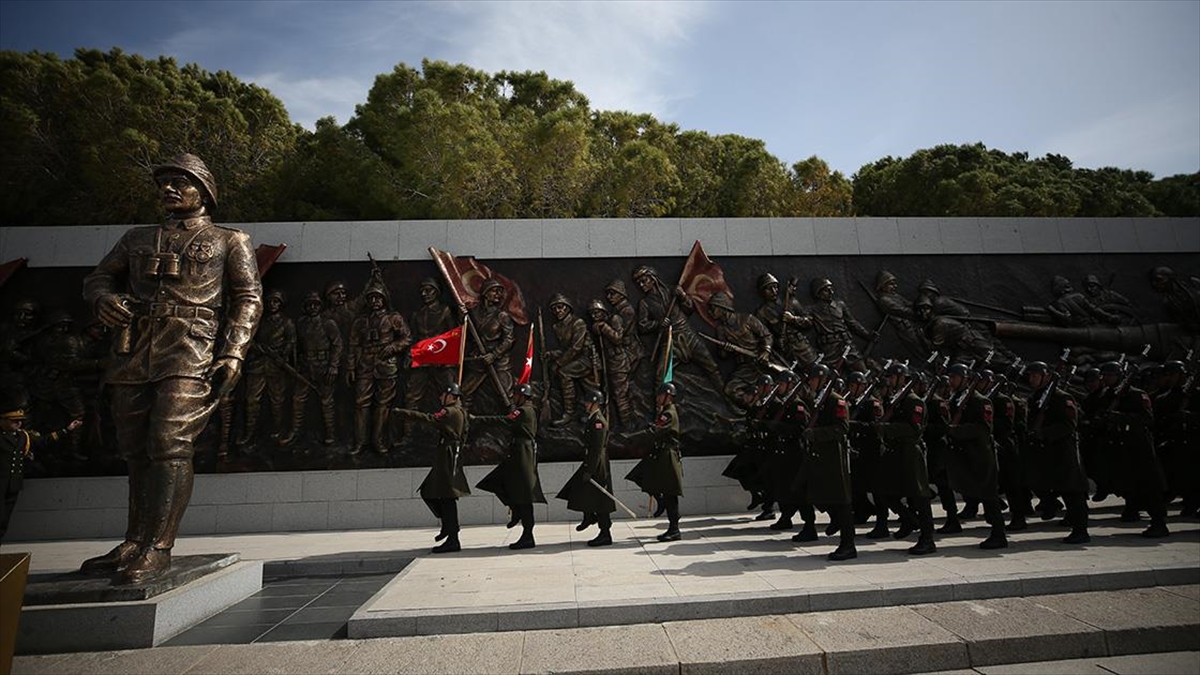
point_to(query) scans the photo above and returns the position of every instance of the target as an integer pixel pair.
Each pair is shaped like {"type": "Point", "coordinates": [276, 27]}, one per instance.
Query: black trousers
{"type": "Point", "coordinates": [672, 504]}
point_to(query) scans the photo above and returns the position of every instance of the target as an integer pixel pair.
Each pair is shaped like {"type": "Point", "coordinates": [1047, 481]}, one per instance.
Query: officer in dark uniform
{"type": "Point", "coordinates": [446, 481]}
{"type": "Point", "coordinates": [515, 481]}
{"type": "Point", "coordinates": [757, 440]}
{"type": "Point", "coordinates": [579, 492]}
{"type": "Point", "coordinates": [829, 458]}
{"type": "Point", "coordinates": [660, 472]}
{"type": "Point", "coordinates": [865, 411]}
{"type": "Point", "coordinates": [1054, 446]}
{"type": "Point", "coordinates": [17, 444]}
{"type": "Point", "coordinates": [1175, 428]}
{"type": "Point", "coordinates": [903, 466]}
{"type": "Point", "coordinates": [1126, 417]}
{"type": "Point", "coordinates": [785, 468]}
{"type": "Point", "coordinates": [971, 462]}
{"type": "Point", "coordinates": [937, 449]}
{"type": "Point", "coordinates": [1008, 448]}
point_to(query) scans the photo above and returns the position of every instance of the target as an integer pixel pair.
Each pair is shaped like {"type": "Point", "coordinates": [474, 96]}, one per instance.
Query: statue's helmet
{"type": "Point", "coordinates": [598, 306]}
{"type": "Point", "coordinates": [883, 278]}
{"type": "Point", "coordinates": [195, 168]}
{"type": "Point", "coordinates": [817, 285]}
{"type": "Point", "coordinates": [312, 298]}
{"type": "Point", "coordinates": [28, 304]}
{"type": "Point", "coordinates": [489, 284]}
{"type": "Point", "coordinates": [276, 293]}
{"type": "Point", "coordinates": [721, 299]}
{"type": "Point", "coordinates": [335, 285]}
{"type": "Point", "coordinates": [375, 286]}
{"type": "Point", "coordinates": [560, 299]}
{"type": "Point", "coordinates": [430, 282]}
{"type": "Point", "coordinates": [927, 286]}
{"type": "Point", "coordinates": [617, 286]}
{"type": "Point", "coordinates": [59, 316]}
{"type": "Point", "coordinates": [1061, 285]}
{"type": "Point", "coordinates": [766, 280]}
{"type": "Point", "coordinates": [1091, 280]}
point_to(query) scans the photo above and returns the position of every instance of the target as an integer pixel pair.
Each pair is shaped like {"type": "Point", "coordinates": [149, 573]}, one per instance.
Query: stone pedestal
{"type": "Point", "coordinates": [73, 612]}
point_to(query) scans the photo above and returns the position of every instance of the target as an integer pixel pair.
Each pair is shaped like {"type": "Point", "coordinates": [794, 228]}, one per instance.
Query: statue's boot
{"type": "Point", "coordinates": [251, 427]}
{"type": "Point", "coordinates": [277, 417]}
{"type": "Point", "coordinates": [327, 413]}
{"type": "Point", "coordinates": [124, 552]}
{"type": "Point", "coordinates": [568, 400]}
{"type": "Point", "coordinates": [379, 430]}
{"type": "Point", "coordinates": [169, 486]}
{"type": "Point", "coordinates": [293, 431]}
{"type": "Point", "coordinates": [360, 429]}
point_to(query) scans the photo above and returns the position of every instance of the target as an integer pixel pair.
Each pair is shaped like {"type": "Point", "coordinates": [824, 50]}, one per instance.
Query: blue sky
{"type": "Point", "coordinates": [1104, 83]}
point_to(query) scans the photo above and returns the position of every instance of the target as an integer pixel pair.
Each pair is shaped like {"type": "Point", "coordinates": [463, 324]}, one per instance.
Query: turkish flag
{"type": "Point", "coordinates": [527, 369]}
{"type": "Point", "coordinates": [266, 255]}
{"type": "Point", "coordinates": [701, 278]}
{"type": "Point", "coordinates": [439, 350]}
{"type": "Point", "coordinates": [466, 275]}
{"type": "Point", "coordinates": [10, 268]}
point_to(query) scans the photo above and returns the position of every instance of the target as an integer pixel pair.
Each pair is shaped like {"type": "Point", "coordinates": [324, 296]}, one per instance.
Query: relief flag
{"type": "Point", "coordinates": [10, 268]}
{"type": "Point", "coordinates": [266, 255]}
{"type": "Point", "coordinates": [439, 350]}
{"type": "Point", "coordinates": [701, 278]}
{"type": "Point", "coordinates": [466, 275]}
{"type": "Point", "coordinates": [527, 369]}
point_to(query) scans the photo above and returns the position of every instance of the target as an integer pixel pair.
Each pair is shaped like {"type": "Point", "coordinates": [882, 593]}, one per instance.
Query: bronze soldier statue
{"type": "Point", "coordinates": [515, 480]}
{"type": "Point", "coordinates": [185, 299]}
{"type": "Point", "coordinates": [1073, 309]}
{"type": "Point", "coordinates": [833, 321]}
{"type": "Point", "coordinates": [1181, 298]}
{"type": "Point", "coordinates": [58, 366]}
{"type": "Point", "coordinates": [343, 311]}
{"type": "Point", "coordinates": [445, 482]}
{"type": "Point", "coordinates": [618, 298]}
{"type": "Point", "coordinates": [943, 305]}
{"type": "Point", "coordinates": [580, 493]}
{"type": "Point", "coordinates": [16, 342]}
{"type": "Point", "coordinates": [319, 353]}
{"type": "Point", "coordinates": [267, 365]}
{"type": "Point", "coordinates": [1108, 299]}
{"type": "Point", "coordinates": [900, 313]}
{"type": "Point", "coordinates": [660, 472]}
{"type": "Point", "coordinates": [786, 323]}
{"type": "Point", "coordinates": [378, 340]}
{"type": "Point", "coordinates": [575, 361]}
{"type": "Point", "coordinates": [432, 318]}
{"type": "Point", "coordinates": [495, 328]}
{"type": "Point", "coordinates": [611, 332]}
{"type": "Point", "coordinates": [658, 309]}
{"type": "Point", "coordinates": [17, 445]}
{"type": "Point", "coordinates": [744, 334]}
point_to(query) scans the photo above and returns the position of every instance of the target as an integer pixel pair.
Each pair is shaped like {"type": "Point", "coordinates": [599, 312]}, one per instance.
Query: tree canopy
{"type": "Point", "coordinates": [78, 136]}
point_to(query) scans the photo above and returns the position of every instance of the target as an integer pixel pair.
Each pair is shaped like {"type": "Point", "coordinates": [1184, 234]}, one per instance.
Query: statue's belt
{"type": "Point", "coordinates": [165, 309]}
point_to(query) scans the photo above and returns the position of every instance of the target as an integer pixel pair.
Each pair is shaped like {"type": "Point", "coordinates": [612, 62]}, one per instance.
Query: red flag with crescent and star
{"type": "Point", "coordinates": [466, 275]}
{"type": "Point", "coordinates": [439, 350]}
{"type": "Point", "coordinates": [527, 369]}
{"type": "Point", "coordinates": [701, 278]}
{"type": "Point", "coordinates": [266, 255]}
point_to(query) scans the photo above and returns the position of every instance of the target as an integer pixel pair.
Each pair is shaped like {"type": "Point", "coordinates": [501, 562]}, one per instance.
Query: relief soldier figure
{"type": "Point", "coordinates": [432, 318]}
{"type": "Point", "coordinates": [16, 342]}
{"type": "Point", "coordinates": [834, 322]}
{"type": "Point", "coordinates": [611, 332]}
{"type": "Point", "coordinates": [495, 328]}
{"type": "Point", "coordinates": [1106, 298]}
{"type": "Point", "coordinates": [185, 300]}
{"type": "Point", "coordinates": [618, 299]}
{"type": "Point", "coordinates": [58, 365]}
{"type": "Point", "coordinates": [319, 353]}
{"type": "Point", "coordinates": [1073, 309]}
{"type": "Point", "coordinates": [1181, 297]}
{"type": "Point", "coordinates": [900, 313]}
{"type": "Point", "coordinates": [378, 339]}
{"type": "Point", "coordinates": [575, 360]}
{"type": "Point", "coordinates": [745, 335]}
{"type": "Point", "coordinates": [267, 365]}
{"type": "Point", "coordinates": [786, 321]}
{"type": "Point", "coordinates": [658, 309]}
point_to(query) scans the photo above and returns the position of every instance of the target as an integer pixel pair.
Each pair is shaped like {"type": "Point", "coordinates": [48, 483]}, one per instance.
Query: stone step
{"type": "Point", "coordinates": [946, 636]}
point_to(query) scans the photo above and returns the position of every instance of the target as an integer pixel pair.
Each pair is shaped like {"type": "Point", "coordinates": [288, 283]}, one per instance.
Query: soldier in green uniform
{"type": "Point", "coordinates": [757, 439]}
{"type": "Point", "coordinates": [17, 444]}
{"type": "Point", "coordinates": [579, 492]}
{"type": "Point", "coordinates": [515, 481]}
{"type": "Point", "coordinates": [660, 472]}
{"type": "Point", "coordinates": [1008, 448]}
{"type": "Point", "coordinates": [865, 471]}
{"type": "Point", "coordinates": [1126, 417]}
{"type": "Point", "coordinates": [446, 481]}
{"type": "Point", "coordinates": [903, 468]}
{"type": "Point", "coordinates": [786, 465]}
{"type": "Point", "coordinates": [829, 458]}
{"type": "Point", "coordinates": [971, 461]}
{"type": "Point", "coordinates": [1054, 444]}
{"type": "Point", "coordinates": [1175, 428]}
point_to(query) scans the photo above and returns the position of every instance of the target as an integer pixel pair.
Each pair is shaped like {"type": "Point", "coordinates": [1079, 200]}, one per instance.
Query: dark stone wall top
{"type": "Point", "coordinates": [662, 237]}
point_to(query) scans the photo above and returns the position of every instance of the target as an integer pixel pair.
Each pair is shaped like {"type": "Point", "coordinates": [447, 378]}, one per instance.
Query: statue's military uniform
{"type": "Point", "coordinates": [16, 344]}
{"type": "Point", "coordinates": [574, 361]}
{"type": "Point", "coordinates": [274, 341]}
{"type": "Point", "coordinates": [57, 372]}
{"type": "Point", "coordinates": [377, 343]}
{"type": "Point", "coordinates": [319, 354]}
{"type": "Point", "coordinates": [495, 328]}
{"type": "Point", "coordinates": [747, 332]}
{"type": "Point", "coordinates": [634, 350]}
{"type": "Point", "coordinates": [426, 382]}
{"type": "Point", "coordinates": [833, 322]}
{"type": "Point", "coordinates": [685, 344]}
{"type": "Point", "coordinates": [790, 341]}
{"type": "Point", "coordinates": [613, 335]}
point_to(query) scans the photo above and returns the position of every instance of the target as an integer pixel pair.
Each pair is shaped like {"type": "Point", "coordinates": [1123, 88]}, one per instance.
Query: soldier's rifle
{"type": "Point", "coordinates": [799, 382]}
{"type": "Point", "coordinates": [1043, 401]}
{"type": "Point", "coordinates": [959, 402]}
{"type": "Point", "coordinates": [993, 308]}
{"type": "Point", "coordinates": [1122, 387]}
{"type": "Point", "coordinates": [283, 363]}
{"type": "Point", "coordinates": [612, 497]}
{"type": "Point", "coordinates": [820, 401]}
{"type": "Point", "coordinates": [861, 398]}
{"type": "Point", "coordinates": [738, 349]}
{"type": "Point", "coordinates": [894, 401]}
{"type": "Point", "coordinates": [787, 303]}
{"type": "Point", "coordinates": [1001, 379]}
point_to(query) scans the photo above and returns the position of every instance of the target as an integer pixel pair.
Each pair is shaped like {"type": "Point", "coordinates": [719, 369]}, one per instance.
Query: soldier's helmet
{"type": "Point", "coordinates": [896, 369]}
{"type": "Point", "coordinates": [28, 304]}
{"type": "Point", "coordinates": [375, 286]}
{"type": "Point", "coordinates": [817, 284]}
{"type": "Point", "coordinates": [1039, 367]}
{"type": "Point", "coordinates": [1091, 375]}
{"type": "Point", "coordinates": [453, 390]}
{"type": "Point", "coordinates": [928, 287]}
{"type": "Point", "coordinates": [644, 270]}
{"type": "Point", "coordinates": [1110, 368]}
{"type": "Point", "coordinates": [617, 286]}
{"type": "Point", "coordinates": [523, 389]}
{"type": "Point", "coordinates": [883, 278]}
{"type": "Point", "coordinates": [1173, 367]}
{"type": "Point", "coordinates": [276, 293]}
{"type": "Point", "coordinates": [335, 285]}
{"type": "Point", "coordinates": [721, 299]}
{"type": "Point", "coordinates": [855, 377]}
{"type": "Point", "coordinates": [1091, 280]}
{"type": "Point", "coordinates": [1166, 272]}
{"type": "Point", "coordinates": [597, 306]}
{"type": "Point", "coordinates": [1061, 285]}
{"type": "Point", "coordinates": [194, 167]}
{"type": "Point", "coordinates": [489, 284]}
{"type": "Point", "coordinates": [764, 381]}
{"type": "Point", "coordinates": [923, 301]}
{"type": "Point", "coordinates": [312, 298]}
{"type": "Point", "coordinates": [819, 370]}
{"type": "Point", "coordinates": [593, 396]}
{"type": "Point", "coordinates": [959, 369]}
{"type": "Point", "coordinates": [431, 283]}
{"type": "Point", "coordinates": [987, 374]}
{"type": "Point", "coordinates": [560, 299]}
{"type": "Point", "coordinates": [59, 316]}
{"type": "Point", "coordinates": [787, 377]}
{"type": "Point", "coordinates": [766, 280]}
{"type": "Point", "coordinates": [666, 388]}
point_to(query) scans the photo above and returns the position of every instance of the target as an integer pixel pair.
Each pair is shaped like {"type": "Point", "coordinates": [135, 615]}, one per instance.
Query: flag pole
{"type": "Point", "coordinates": [462, 347]}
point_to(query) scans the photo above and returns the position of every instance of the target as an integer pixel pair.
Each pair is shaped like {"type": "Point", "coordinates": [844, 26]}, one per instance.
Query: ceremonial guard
{"type": "Point", "coordinates": [432, 318]}
{"type": "Point", "coordinates": [660, 308]}
{"type": "Point", "coordinates": [903, 471]}
{"type": "Point", "coordinates": [267, 365]}
{"type": "Point", "coordinates": [378, 340]}
{"type": "Point", "coordinates": [1126, 417]}
{"type": "Point", "coordinates": [1054, 447]}
{"type": "Point", "coordinates": [785, 474]}
{"type": "Point", "coordinates": [494, 325]}
{"type": "Point", "coordinates": [580, 492]}
{"type": "Point", "coordinates": [319, 347]}
{"type": "Point", "coordinates": [757, 440]}
{"type": "Point", "coordinates": [748, 339]}
{"type": "Point", "coordinates": [1175, 430]}
{"type": "Point", "coordinates": [828, 462]}
{"type": "Point", "coordinates": [834, 322]}
{"type": "Point", "coordinates": [184, 299]}
{"type": "Point", "coordinates": [612, 333]}
{"type": "Point", "coordinates": [971, 460]}
{"type": "Point", "coordinates": [17, 445]}
{"type": "Point", "coordinates": [865, 411]}
{"type": "Point", "coordinates": [660, 472]}
{"type": "Point", "coordinates": [575, 361]}
{"type": "Point", "coordinates": [1005, 424]}
{"type": "Point", "coordinates": [515, 480]}
{"type": "Point", "coordinates": [446, 481]}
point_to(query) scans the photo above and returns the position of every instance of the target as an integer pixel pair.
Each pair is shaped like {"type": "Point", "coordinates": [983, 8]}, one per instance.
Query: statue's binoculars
{"type": "Point", "coordinates": [162, 265]}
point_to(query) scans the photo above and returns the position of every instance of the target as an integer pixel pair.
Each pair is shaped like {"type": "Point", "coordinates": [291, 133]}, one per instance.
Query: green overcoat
{"type": "Point", "coordinates": [905, 473]}
{"type": "Point", "coordinates": [515, 479]}
{"type": "Point", "coordinates": [446, 479]}
{"type": "Point", "coordinates": [971, 461]}
{"type": "Point", "coordinates": [828, 463]}
{"type": "Point", "coordinates": [579, 492]}
{"type": "Point", "coordinates": [660, 472]}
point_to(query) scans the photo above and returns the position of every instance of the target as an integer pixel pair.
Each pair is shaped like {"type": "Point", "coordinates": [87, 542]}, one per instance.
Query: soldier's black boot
{"type": "Point", "coordinates": [785, 518]}
{"type": "Point", "coordinates": [946, 495]}
{"type": "Point", "coordinates": [672, 506]}
{"type": "Point", "coordinates": [584, 524]}
{"type": "Point", "coordinates": [660, 506]}
{"type": "Point", "coordinates": [806, 533]}
{"type": "Point", "coordinates": [768, 510]}
{"type": "Point", "coordinates": [845, 519]}
{"type": "Point", "coordinates": [970, 509]}
{"type": "Point", "coordinates": [514, 517]}
{"type": "Point", "coordinates": [1158, 521]}
{"type": "Point", "coordinates": [449, 509]}
{"type": "Point", "coordinates": [1077, 515]}
{"type": "Point", "coordinates": [605, 537]}
{"type": "Point", "coordinates": [880, 531]}
{"type": "Point", "coordinates": [997, 539]}
{"type": "Point", "coordinates": [924, 515]}
{"type": "Point", "coordinates": [526, 517]}
{"type": "Point", "coordinates": [756, 500]}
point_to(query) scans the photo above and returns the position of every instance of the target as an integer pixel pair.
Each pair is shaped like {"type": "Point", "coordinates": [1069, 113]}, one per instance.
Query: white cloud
{"type": "Point", "coordinates": [622, 55]}
{"type": "Point", "coordinates": [310, 99]}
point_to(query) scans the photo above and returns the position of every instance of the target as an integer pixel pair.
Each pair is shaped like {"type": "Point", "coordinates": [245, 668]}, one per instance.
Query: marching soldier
{"type": "Point", "coordinates": [865, 412]}
{"type": "Point", "coordinates": [515, 481]}
{"type": "Point", "coordinates": [494, 326]}
{"type": "Point", "coordinates": [320, 352]}
{"type": "Point", "coordinates": [971, 462]}
{"type": "Point", "coordinates": [579, 492]}
{"type": "Point", "coordinates": [432, 318]}
{"type": "Point", "coordinates": [274, 342]}
{"type": "Point", "coordinates": [660, 472]}
{"type": "Point", "coordinates": [378, 340]}
{"type": "Point", "coordinates": [1008, 449]}
{"type": "Point", "coordinates": [834, 322]}
{"type": "Point", "coordinates": [17, 445]}
{"type": "Point", "coordinates": [574, 361]}
{"type": "Point", "coordinates": [658, 309]}
{"type": "Point", "coordinates": [829, 458]}
{"type": "Point", "coordinates": [1054, 447]}
{"type": "Point", "coordinates": [785, 468]}
{"type": "Point", "coordinates": [787, 324]}
{"type": "Point", "coordinates": [904, 472]}
{"type": "Point", "coordinates": [612, 334]}
{"type": "Point", "coordinates": [1175, 427]}
{"type": "Point", "coordinates": [747, 467]}
{"type": "Point", "coordinates": [446, 481]}
{"type": "Point", "coordinates": [746, 332]}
